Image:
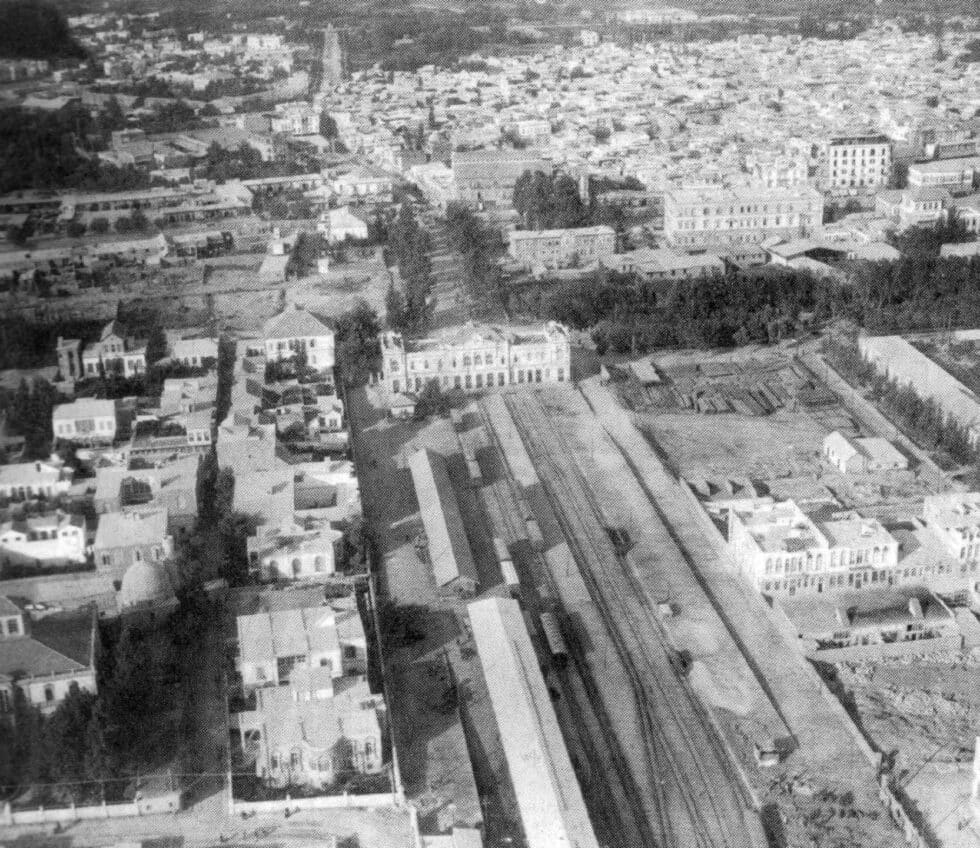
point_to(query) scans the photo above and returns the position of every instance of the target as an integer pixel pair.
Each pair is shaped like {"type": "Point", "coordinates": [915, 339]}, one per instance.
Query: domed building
{"type": "Point", "coordinates": [146, 584]}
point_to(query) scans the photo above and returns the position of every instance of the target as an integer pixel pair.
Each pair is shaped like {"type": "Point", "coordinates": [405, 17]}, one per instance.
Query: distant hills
{"type": "Point", "coordinates": [35, 29]}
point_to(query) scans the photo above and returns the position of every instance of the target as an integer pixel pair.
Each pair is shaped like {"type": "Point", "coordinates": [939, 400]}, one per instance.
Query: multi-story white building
{"type": "Point", "coordinates": [312, 634]}
{"type": "Point", "coordinates": [723, 217]}
{"type": "Point", "coordinates": [53, 539]}
{"type": "Point", "coordinates": [913, 207]}
{"type": "Point", "coordinates": [852, 164]}
{"type": "Point", "coordinates": [958, 176]}
{"type": "Point", "coordinates": [557, 248]}
{"type": "Point", "coordinates": [296, 331]}
{"type": "Point", "coordinates": [86, 421]}
{"type": "Point", "coordinates": [780, 550]}
{"type": "Point", "coordinates": [475, 357]}
{"type": "Point", "coordinates": [954, 518]}
{"type": "Point", "coordinates": [114, 353]}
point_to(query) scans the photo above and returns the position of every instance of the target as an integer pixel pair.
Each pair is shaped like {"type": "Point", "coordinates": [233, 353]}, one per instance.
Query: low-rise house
{"type": "Point", "coordinates": [126, 538]}
{"type": "Point", "coordinates": [43, 540]}
{"type": "Point", "coordinates": [115, 352]}
{"type": "Point", "coordinates": [157, 438]}
{"type": "Point", "coordinates": [25, 480]}
{"type": "Point", "coordinates": [861, 455]}
{"type": "Point", "coordinates": [295, 331]}
{"type": "Point", "coordinates": [300, 631]}
{"type": "Point", "coordinates": [195, 353]}
{"type": "Point", "coordinates": [188, 395]}
{"type": "Point", "coordinates": [665, 264]}
{"type": "Point", "coordinates": [86, 421]}
{"type": "Point", "coordinates": [362, 185]}
{"type": "Point", "coordinates": [316, 729]}
{"type": "Point", "coordinates": [44, 657]}
{"type": "Point", "coordinates": [341, 224]}
{"type": "Point", "coordinates": [874, 623]}
{"type": "Point", "coordinates": [294, 551]}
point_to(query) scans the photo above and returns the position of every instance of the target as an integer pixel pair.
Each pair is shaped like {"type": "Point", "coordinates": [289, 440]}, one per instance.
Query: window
{"type": "Point", "coordinates": [49, 693]}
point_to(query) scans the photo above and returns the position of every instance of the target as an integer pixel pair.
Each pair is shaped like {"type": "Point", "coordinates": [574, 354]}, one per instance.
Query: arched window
{"type": "Point", "coordinates": [297, 567]}
{"type": "Point", "coordinates": [318, 563]}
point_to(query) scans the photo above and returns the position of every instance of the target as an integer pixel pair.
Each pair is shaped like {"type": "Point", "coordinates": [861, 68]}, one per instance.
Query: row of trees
{"type": "Point", "coordinates": [480, 246]}
{"type": "Point", "coordinates": [28, 414]}
{"type": "Point", "coordinates": [409, 247]}
{"type": "Point", "coordinates": [921, 419]}
{"type": "Point", "coordinates": [93, 744]}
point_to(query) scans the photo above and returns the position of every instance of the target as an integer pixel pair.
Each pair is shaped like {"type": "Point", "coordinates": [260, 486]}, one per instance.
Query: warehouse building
{"type": "Point", "coordinates": [549, 798]}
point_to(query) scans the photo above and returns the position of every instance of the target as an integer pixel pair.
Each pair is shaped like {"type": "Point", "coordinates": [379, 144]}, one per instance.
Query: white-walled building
{"type": "Point", "coordinates": [557, 248]}
{"type": "Point", "coordinates": [856, 163]}
{"type": "Point", "coordinates": [861, 455]}
{"type": "Point", "coordinates": [780, 550]}
{"type": "Point", "coordinates": [734, 216]}
{"type": "Point", "coordinates": [295, 331]}
{"type": "Point", "coordinates": [475, 357]}
{"type": "Point", "coordinates": [53, 539]}
{"type": "Point", "coordinates": [954, 517]}
{"type": "Point", "coordinates": [86, 421]}
{"type": "Point", "coordinates": [957, 176]}
{"type": "Point", "coordinates": [317, 635]}
{"type": "Point", "coordinates": [341, 224]}
{"type": "Point", "coordinates": [23, 480]}
{"type": "Point", "coordinates": [293, 551]}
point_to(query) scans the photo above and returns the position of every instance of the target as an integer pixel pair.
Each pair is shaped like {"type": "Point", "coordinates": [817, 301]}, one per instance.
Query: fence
{"type": "Point", "coordinates": [323, 802]}
{"type": "Point", "coordinates": [157, 805]}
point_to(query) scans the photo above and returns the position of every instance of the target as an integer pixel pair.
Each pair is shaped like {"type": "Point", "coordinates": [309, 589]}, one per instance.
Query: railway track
{"type": "Point", "coordinates": [698, 798]}
{"type": "Point", "coordinates": [578, 678]}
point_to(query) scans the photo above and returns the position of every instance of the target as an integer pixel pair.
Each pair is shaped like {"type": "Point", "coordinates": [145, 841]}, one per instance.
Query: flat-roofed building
{"type": "Point", "coordinates": [913, 207]}
{"type": "Point", "coordinates": [873, 623]}
{"type": "Point", "coordinates": [957, 176]}
{"type": "Point", "coordinates": [731, 216]}
{"type": "Point", "coordinates": [557, 248]}
{"type": "Point", "coordinates": [549, 798]}
{"type": "Point", "coordinates": [448, 547]}
{"type": "Point", "coordinates": [486, 178]}
{"type": "Point", "coordinates": [293, 551]}
{"type": "Point", "coordinates": [856, 163]}
{"type": "Point", "coordinates": [52, 539]}
{"type": "Point", "coordinates": [293, 630]}
{"type": "Point", "coordinates": [779, 549]}
{"type": "Point", "coordinates": [475, 357]}
{"type": "Point", "coordinates": [954, 518]}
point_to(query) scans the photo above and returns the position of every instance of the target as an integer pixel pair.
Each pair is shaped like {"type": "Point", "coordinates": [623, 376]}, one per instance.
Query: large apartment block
{"type": "Point", "coordinates": [699, 218]}
{"type": "Point", "coordinates": [858, 162]}
{"type": "Point", "coordinates": [557, 248]}
{"type": "Point", "coordinates": [475, 357]}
